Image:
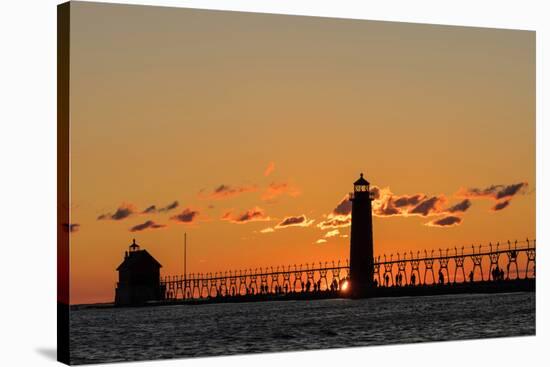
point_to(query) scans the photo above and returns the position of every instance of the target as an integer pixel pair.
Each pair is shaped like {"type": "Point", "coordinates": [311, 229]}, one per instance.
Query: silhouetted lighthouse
{"type": "Point", "coordinates": [361, 244]}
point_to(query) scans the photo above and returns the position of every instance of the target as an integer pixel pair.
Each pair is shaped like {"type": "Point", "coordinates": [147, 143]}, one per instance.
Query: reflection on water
{"type": "Point", "coordinates": [110, 335]}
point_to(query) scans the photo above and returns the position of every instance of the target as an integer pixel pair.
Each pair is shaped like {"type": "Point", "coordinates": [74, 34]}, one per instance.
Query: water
{"type": "Point", "coordinates": [130, 334]}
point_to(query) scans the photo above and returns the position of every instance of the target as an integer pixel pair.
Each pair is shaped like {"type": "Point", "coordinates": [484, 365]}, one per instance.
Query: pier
{"type": "Point", "coordinates": [464, 270]}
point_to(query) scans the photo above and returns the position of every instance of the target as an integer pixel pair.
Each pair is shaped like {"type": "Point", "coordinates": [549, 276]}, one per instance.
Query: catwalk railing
{"type": "Point", "coordinates": [510, 260]}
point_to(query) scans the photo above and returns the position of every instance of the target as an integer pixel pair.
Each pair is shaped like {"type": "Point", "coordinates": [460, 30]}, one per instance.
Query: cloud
{"type": "Point", "coordinates": [332, 233]}
{"type": "Point", "coordinates": [269, 169]}
{"type": "Point", "coordinates": [386, 204]}
{"type": "Point", "coordinates": [460, 207]}
{"type": "Point", "coordinates": [335, 221]}
{"type": "Point", "coordinates": [71, 227]}
{"type": "Point", "coordinates": [150, 209]}
{"type": "Point", "coordinates": [502, 194]}
{"type": "Point", "coordinates": [147, 225]}
{"type": "Point", "coordinates": [255, 214]}
{"type": "Point", "coordinates": [169, 207]}
{"type": "Point", "coordinates": [226, 191]}
{"type": "Point", "coordinates": [343, 207]}
{"type": "Point", "coordinates": [186, 216]}
{"type": "Point", "coordinates": [124, 211]}
{"type": "Point", "coordinates": [495, 192]}
{"type": "Point", "coordinates": [511, 190]}
{"type": "Point", "coordinates": [153, 208]}
{"type": "Point", "coordinates": [383, 204]}
{"type": "Point", "coordinates": [298, 221]}
{"type": "Point", "coordinates": [275, 190]}
{"type": "Point", "coordinates": [448, 221]}
{"type": "Point", "coordinates": [375, 192]}
{"type": "Point", "coordinates": [292, 221]}
{"type": "Point", "coordinates": [500, 205]}
{"type": "Point", "coordinates": [429, 206]}
{"type": "Point", "coordinates": [387, 209]}
{"type": "Point", "coordinates": [407, 201]}
{"type": "Point", "coordinates": [321, 241]}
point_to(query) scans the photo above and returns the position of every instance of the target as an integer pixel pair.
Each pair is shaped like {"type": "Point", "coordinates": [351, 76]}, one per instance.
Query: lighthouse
{"type": "Point", "coordinates": [361, 242]}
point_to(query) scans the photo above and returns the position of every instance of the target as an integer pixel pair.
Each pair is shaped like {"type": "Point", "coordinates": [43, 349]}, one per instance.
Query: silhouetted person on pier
{"type": "Point", "coordinates": [471, 276]}
{"type": "Point", "coordinates": [319, 285]}
{"type": "Point", "coordinates": [387, 279]}
{"type": "Point", "coordinates": [308, 286]}
{"type": "Point", "coordinates": [441, 277]}
{"type": "Point", "coordinates": [413, 279]}
{"type": "Point", "coordinates": [498, 274]}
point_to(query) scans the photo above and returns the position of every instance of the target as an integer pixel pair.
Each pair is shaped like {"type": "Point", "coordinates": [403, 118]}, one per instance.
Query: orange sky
{"type": "Point", "coordinates": [254, 121]}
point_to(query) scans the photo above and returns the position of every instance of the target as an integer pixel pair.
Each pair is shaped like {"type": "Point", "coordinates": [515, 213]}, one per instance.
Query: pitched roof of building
{"type": "Point", "coordinates": [135, 258]}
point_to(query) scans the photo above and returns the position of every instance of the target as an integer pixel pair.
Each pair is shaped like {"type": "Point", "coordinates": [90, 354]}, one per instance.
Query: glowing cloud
{"type": "Point", "coordinates": [255, 214]}
{"type": "Point", "coordinates": [495, 192]}
{"type": "Point", "coordinates": [430, 206]}
{"type": "Point", "coordinates": [332, 233]}
{"type": "Point", "coordinates": [299, 221]}
{"type": "Point", "coordinates": [335, 221]}
{"type": "Point", "coordinates": [186, 216]}
{"type": "Point", "coordinates": [269, 169]}
{"type": "Point", "coordinates": [275, 190]}
{"type": "Point", "coordinates": [407, 201]}
{"type": "Point", "coordinates": [147, 225]}
{"type": "Point", "coordinates": [386, 204]}
{"type": "Point", "coordinates": [500, 205]}
{"type": "Point", "coordinates": [343, 207]}
{"type": "Point", "coordinates": [124, 211]}
{"type": "Point", "coordinates": [460, 207]}
{"type": "Point", "coordinates": [502, 194]}
{"type": "Point", "coordinates": [292, 221]}
{"type": "Point", "coordinates": [321, 241]}
{"type": "Point", "coordinates": [445, 221]}
{"type": "Point", "coordinates": [226, 191]}
{"type": "Point", "coordinates": [153, 208]}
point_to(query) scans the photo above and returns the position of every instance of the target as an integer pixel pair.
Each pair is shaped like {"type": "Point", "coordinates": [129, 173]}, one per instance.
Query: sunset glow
{"type": "Point", "coordinates": [249, 141]}
{"type": "Point", "coordinates": [345, 286]}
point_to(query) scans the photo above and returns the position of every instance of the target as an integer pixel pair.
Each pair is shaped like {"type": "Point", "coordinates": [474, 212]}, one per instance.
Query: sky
{"type": "Point", "coordinates": [246, 131]}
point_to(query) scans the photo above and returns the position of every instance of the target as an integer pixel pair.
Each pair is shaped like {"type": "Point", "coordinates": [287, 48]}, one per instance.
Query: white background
{"type": "Point", "coordinates": [28, 182]}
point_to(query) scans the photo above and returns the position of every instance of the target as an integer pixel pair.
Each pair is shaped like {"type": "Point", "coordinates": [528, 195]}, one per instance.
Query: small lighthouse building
{"type": "Point", "coordinates": [138, 278]}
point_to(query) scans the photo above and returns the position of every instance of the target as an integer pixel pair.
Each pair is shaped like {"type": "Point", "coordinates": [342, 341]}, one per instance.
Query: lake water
{"type": "Point", "coordinates": [131, 334]}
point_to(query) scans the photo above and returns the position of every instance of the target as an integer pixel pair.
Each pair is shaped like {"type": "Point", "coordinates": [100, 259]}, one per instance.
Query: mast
{"type": "Point", "coordinates": [185, 256]}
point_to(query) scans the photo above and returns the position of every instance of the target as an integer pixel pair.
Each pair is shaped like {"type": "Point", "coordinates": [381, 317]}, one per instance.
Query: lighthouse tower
{"type": "Point", "coordinates": [361, 243]}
